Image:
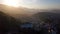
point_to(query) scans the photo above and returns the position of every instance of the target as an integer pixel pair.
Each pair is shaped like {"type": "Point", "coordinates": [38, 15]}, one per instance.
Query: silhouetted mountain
{"type": "Point", "coordinates": [7, 23]}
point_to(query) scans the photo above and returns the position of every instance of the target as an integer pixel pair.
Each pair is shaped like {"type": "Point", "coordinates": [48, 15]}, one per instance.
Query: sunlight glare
{"type": "Point", "coordinates": [13, 3]}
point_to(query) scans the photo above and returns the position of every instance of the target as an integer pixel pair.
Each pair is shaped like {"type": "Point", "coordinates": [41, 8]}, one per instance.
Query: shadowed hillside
{"type": "Point", "coordinates": [7, 23]}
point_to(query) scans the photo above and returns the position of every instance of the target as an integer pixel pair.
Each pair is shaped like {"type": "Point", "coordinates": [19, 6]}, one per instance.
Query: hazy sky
{"type": "Point", "coordinates": [41, 4]}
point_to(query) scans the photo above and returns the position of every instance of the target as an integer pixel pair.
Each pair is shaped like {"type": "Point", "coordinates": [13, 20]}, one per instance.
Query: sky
{"type": "Point", "coordinates": [39, 4]}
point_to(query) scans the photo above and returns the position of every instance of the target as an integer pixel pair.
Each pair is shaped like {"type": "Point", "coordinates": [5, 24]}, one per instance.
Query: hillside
{"type": "Point", "coordinates": [43, 16]}
{"type": "Point", "coordinates": [7, 22]}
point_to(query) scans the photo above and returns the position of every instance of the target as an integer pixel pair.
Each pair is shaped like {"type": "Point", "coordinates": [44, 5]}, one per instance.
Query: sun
{"type": "Point", "coordinates": [13, 3]}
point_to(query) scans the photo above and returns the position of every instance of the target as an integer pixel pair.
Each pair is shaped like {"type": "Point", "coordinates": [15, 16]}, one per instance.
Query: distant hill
{"type": "Point", "coordinates": [44, 16]}
{"type": "Point", "coordinates": [16, 10]}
